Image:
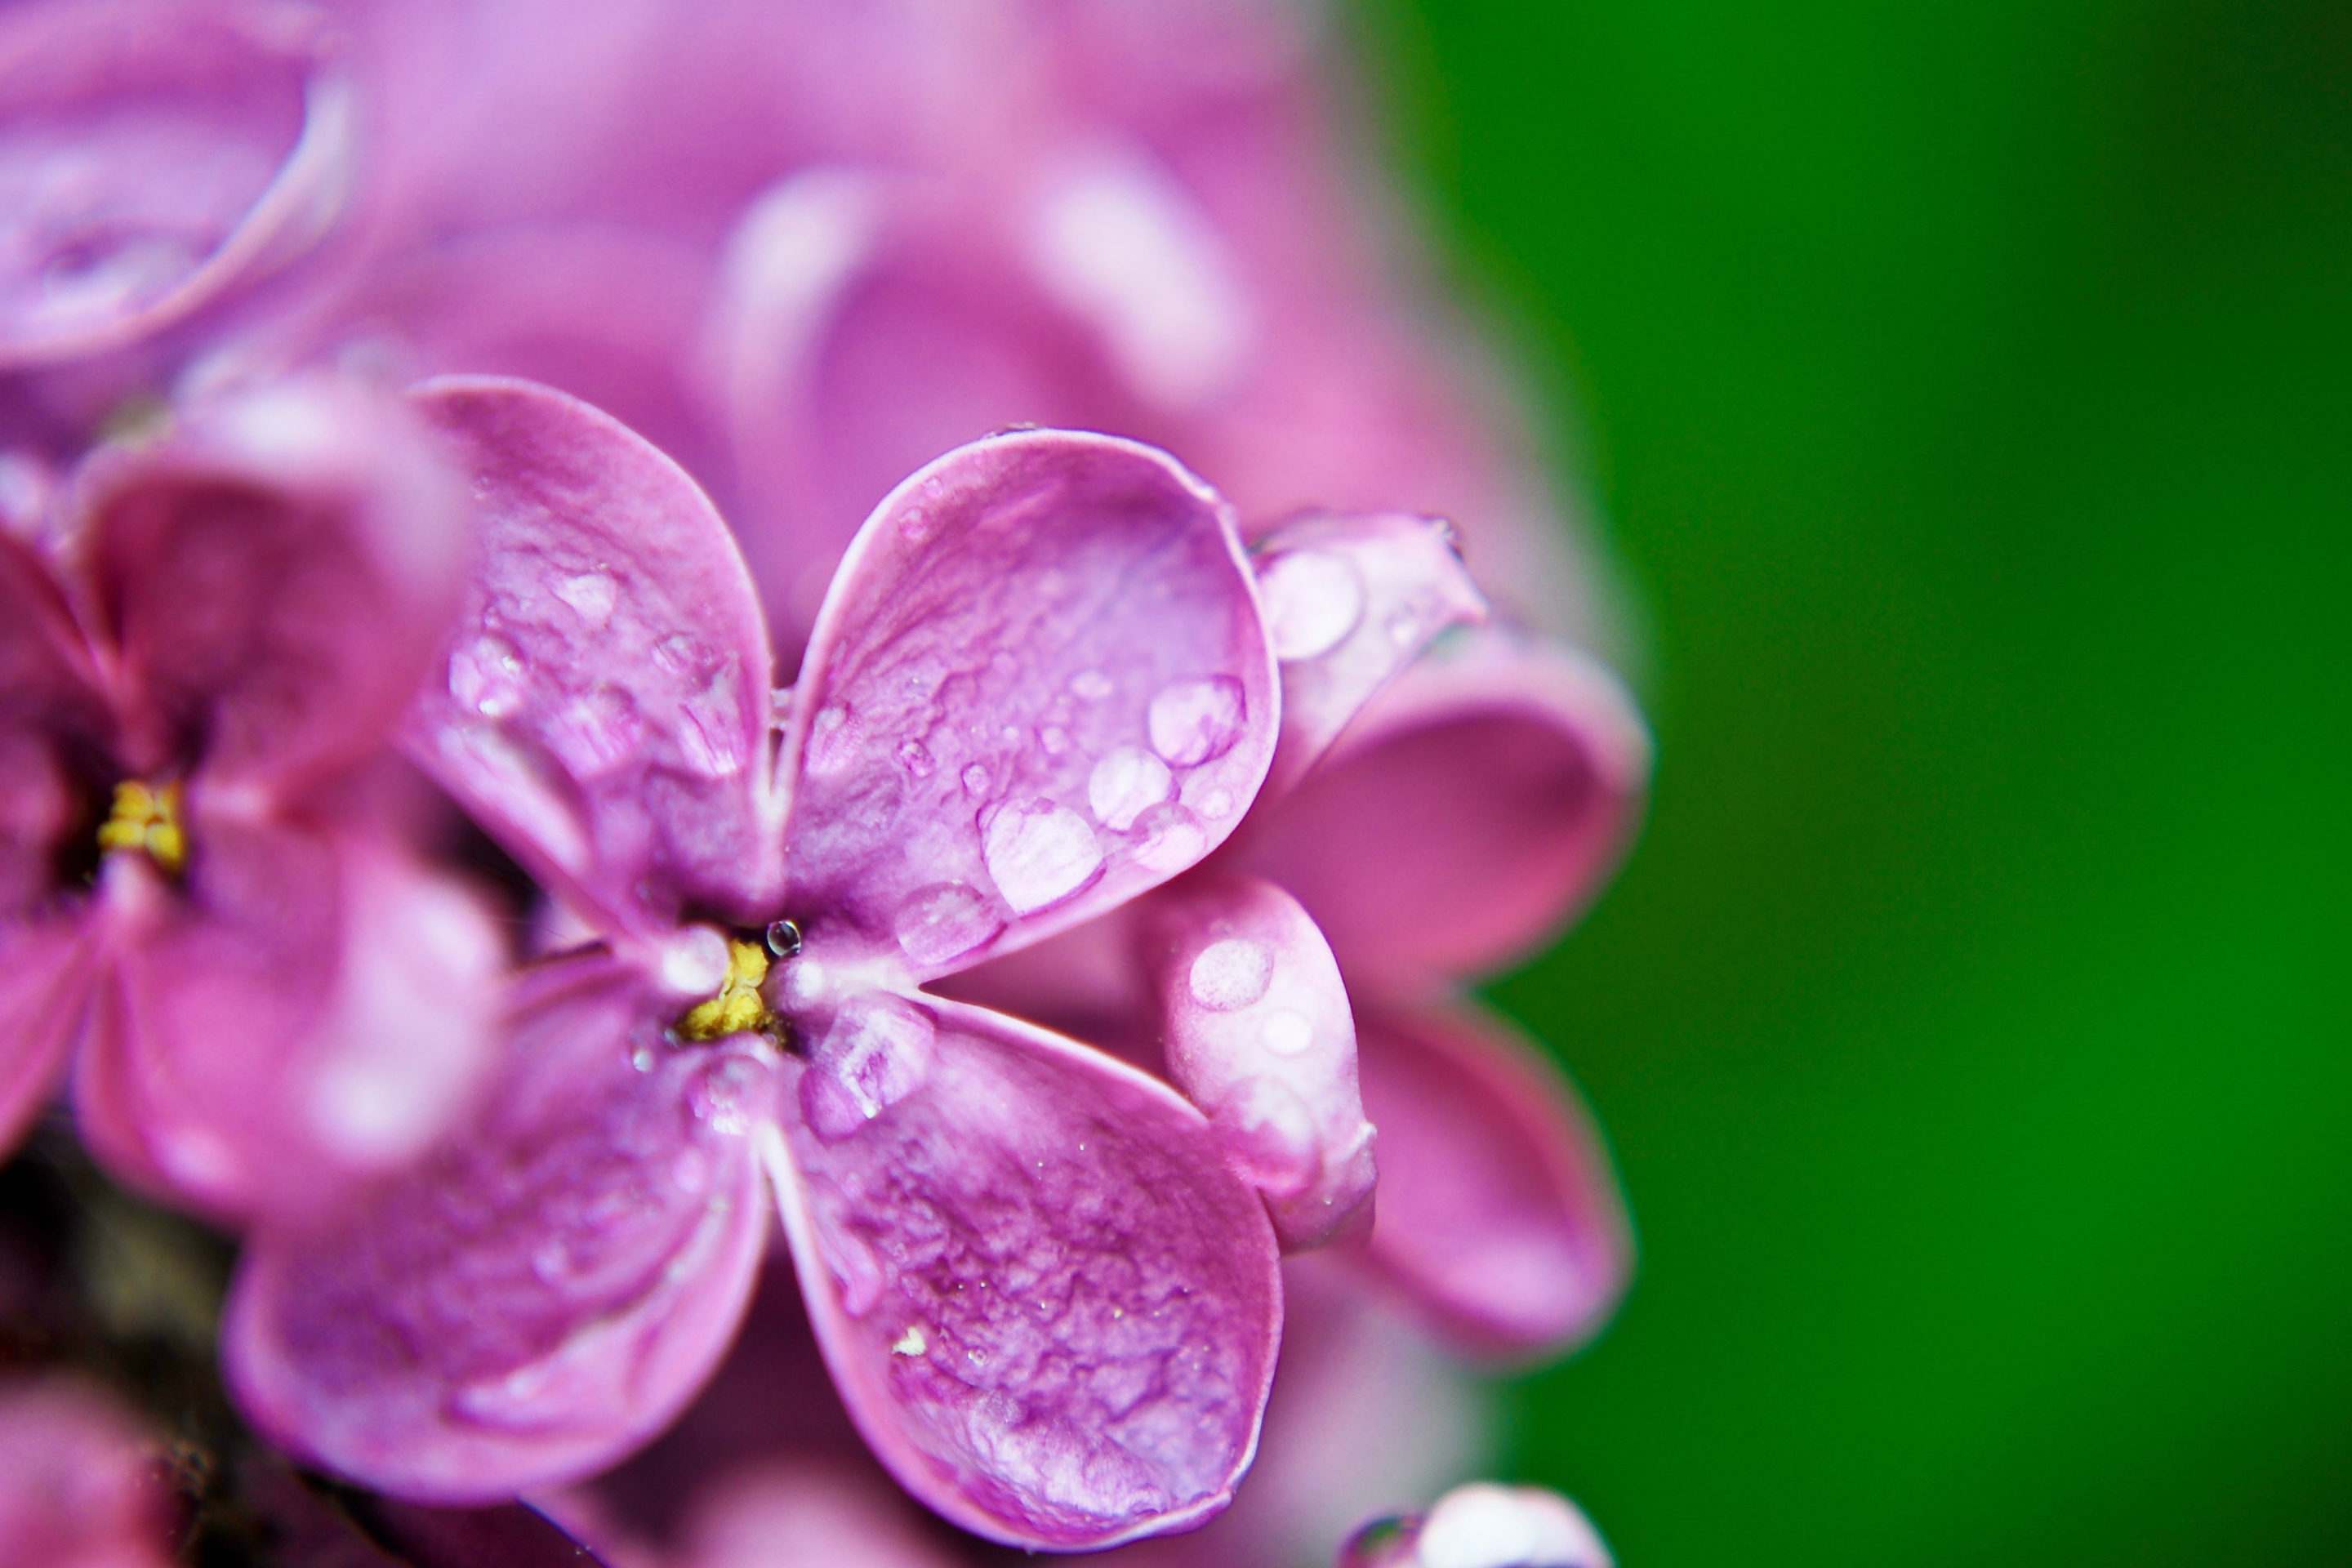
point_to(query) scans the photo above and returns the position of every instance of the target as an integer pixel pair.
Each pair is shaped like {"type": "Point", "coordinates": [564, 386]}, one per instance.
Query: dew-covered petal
{"type": "Point", "coordinates": [549, 1288]}
{"type": "Point", "coordinates": [310, 1009]}
{"type": "Point", "coordinates": [604, 705]}
{"type": "Point", "coordinates": [275, 573]}
{"type": "Point", "coordinates": [1499, 1215]}
{"type": "Point", "coordinates": [1259, 1035]}
{"type": "Point", "coordinates": [1349, 601]}
{"type": "Point", "coordinates": [1479, 801]}
{"type": "Point", "coordinates": [1039, 686]}
{"type": "Point", "coordinates": [81, 1485]}
{"type": "Point", "coordinates": [152, 154]}
{"type": "Point", "coordinates": [1048, 1305]}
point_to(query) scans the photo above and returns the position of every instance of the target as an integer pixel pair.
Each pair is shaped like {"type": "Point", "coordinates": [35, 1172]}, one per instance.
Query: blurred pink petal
{"type": "Point", "coordinates": [154, 153]}
{"type": "Point", "coordinates": [1259, 1036]}
{"type": "Point", "coordinates": [1039, 687]}
{"type": "Point", "coordinates": [79, 1486]}
{"type": "Point", "coordinates": [814, 1514]}
{"type": "Point", "coordinates": [1475, 806]}
{"type": "Point", "coordinates": [1045, 1307]}
{"type": "Point", "coordinates": [546, 1291]}
{"type": "Point", "coordinates": [1483, 1525]}
{"type": "Point", "coordinates": [1499, 1215]}
{"type": "Point", "coordinates": [605, 708]}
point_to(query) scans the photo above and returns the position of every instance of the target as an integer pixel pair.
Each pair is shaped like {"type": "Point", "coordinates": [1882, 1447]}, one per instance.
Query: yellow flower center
{"type": "Point", "coordinates": [147, 820]}
{"type": "Point", "coordinates": [738, 1008]}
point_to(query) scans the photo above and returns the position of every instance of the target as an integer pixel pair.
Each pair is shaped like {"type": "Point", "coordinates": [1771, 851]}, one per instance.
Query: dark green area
{"type": "Point", "coordinates": [1969, 391]}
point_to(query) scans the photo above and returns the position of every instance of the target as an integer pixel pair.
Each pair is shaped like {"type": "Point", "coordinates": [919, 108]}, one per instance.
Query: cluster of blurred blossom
{"type": "Point", "coordinates": [744, 789]}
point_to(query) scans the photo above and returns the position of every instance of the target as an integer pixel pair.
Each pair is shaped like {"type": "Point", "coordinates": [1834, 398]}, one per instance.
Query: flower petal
{"type": "Point", "coordinates": [545, 1291]}
{"type": "Point", "coordinates": [1039, 687]}
{"type": "Point", "coordinates": [153, 153]}
{"type": "Point", "coordinates": [1047, 1304]}
{"type": "Point", "coordinates": [46, 968]}
{"type": "Point", "coordinates": [605, 710]}
{"type": "Point", "coordinates": [275, 571]}
{"type": "Point", "coordinates": [81, 1485]}
{"type": "Point", "coordinates": [1259, 1036]}
{"type": "Point", "coordinates": [312, 1009]}
{"type": "Point", "coordinates": [1477, 805]}
{"type": "Point", "coordinates": [1351, 600]}
{"type": "Point", "coordinates": [1499, 1215]}
{"type": "Point", "coordinates": [48, 692]}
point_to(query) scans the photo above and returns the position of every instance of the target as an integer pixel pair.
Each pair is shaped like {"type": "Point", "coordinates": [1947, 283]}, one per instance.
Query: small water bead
{"type": "Point", "coordinates": [597, 731]}
{"type": "Point", "coordinates": [916, 758]}
{"type": "Point", "coordinates": [488, 676]}
{"type": "Point", "coordinates": [1091, 685]}
{"type": "Point", "coordinates": [783, 939]}
{"type": "Point", "coordinates": [1039, 852]}
{"type": "Point", "coordinates": [836, 739]}
{"type": "Point", "coordinates": [1053, 739]}
{"type": "Point", "coordinates": [879, 1049]}
{"type": "Point", "coordinates": [1287, 1032]}
{"type": "Point", "coordinates": [592, 595]}
{"type": "Point", "coordinates": [943, 921]}
{"type": "Point", "coordinates": [1195, 722]}
{"type": "Point", "coordinates": [1405, 624]}
{"type": "Point", "coordinates": [1231, 974]}
{"type": "Point", "coordinates": [711, 736]}
{"type": "Point", "coordinates": [975, 780]}
{"type": "Point", "coordinates": [1127, 783]}
{"type": "Point", "coordinates": [1312, 600]}
{"type": "Point", "coordinates": [722, 1097]}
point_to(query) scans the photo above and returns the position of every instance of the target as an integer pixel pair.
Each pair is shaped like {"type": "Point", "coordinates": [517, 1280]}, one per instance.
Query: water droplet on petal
{"type": "Point", "coordinates": [1232, 973]}
{"type": "Point", "coordinates": [488, 676]}
{"type": "Point", "coordinates": [1053, 739]}
{"type": "Point", "coordinates": [916, 758]}
{"type": "Point", "coordinates": [835, 738]}
{"type": "Point", "coordinates": [943, 921]}
{"type": "Point", "coordinates": [1194, 722]}
{"type": "Point", "coordinates": [1091, 685]}
{"type": "Point", "coordinates": [975, 780]}
{"type": "Point", "coordinates": [783, 939]}
{"type": "Point", "coordinates": [723, 1098]}
{"type": "Point", "coordinates": [1039, 852]}
{"type": "Point", "coordinates": [1287, 1032]}
{"type": "Point", "coordinates": [855, 1271]}
{"type": "Point", "coordinates": [596, 732]}
{"type": "Point", "coordinates": [878, 1050]}
{"type": "Point", "coordinates": [711, 736]}
{"type": "Point", "coordinates": [1125, 784]}
{"type": "Point", "coordinates": [592, 595]}
{"type": "Point", "coordinates": [1312, 600]}
{"type": "Point", "coordinates": [1404, 626]}
{"type": "Point", "coordinates": [1172, 839]}
{"type": "Point", "coordinates": [642, 1058]}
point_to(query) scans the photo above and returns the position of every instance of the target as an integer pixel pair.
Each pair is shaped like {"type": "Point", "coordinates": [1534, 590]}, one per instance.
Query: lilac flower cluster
{"type": "Point", "coordinates": [955, 862]}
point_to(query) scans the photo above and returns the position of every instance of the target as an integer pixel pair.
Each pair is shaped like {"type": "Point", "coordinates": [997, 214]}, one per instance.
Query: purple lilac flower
{"type": "Point", "coordinates": [80, 1487]}
{"type": "Point", "coordinates": [196, 882]}
{"type": "Point", "coordinates": [1047, 1304]}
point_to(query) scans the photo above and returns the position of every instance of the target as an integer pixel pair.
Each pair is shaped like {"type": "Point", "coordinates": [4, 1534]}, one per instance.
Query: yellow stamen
{"type": "Point", "coordinates": [738, 1008]}
{"type": "Point", "coordinates": [147, 820]}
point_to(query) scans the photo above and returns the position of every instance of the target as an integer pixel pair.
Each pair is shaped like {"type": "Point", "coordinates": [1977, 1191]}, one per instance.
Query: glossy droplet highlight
{"type": "Point", "coordinates": [1039, 853]}
{"type": "Point", "coordinates": [1231, 974]}
{"type": "Point", "coordinates": [711, 732]}
{"type": "Point", "coordinates": [1313, 601]}
{"type": "Point", "coordinates": [1194, 722]}
{"type": "Point", "coordinates": [1287, 1032]}
{"type": "Point", "coordinates": [943, 921]}
{"type": "Point", "coordinates": [597, 731]}
{"type": "Point", "coordinates": [1091, 685]}
{"type": "Point", "coordinates": [878, 1050]}
{"type": "Point", "coordinates": [592, 595]}
{"type": "Point", "coordinates": [486, 676]}
{"type": "Point", "coordinates": [1125, 784]}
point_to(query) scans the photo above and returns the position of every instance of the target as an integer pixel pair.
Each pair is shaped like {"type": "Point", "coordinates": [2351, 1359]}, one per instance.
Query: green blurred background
{"type": "Point", "coordinates": [1968, 391]}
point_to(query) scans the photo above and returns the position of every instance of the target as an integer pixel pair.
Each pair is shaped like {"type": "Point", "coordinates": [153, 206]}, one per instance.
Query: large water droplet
{"type": "Point", "coordinates": [1312, 601]}
{"type": "Point", "coordinates": [1194, 722]}
{"type": "Point", "coordinates": [1039, 852]}
{"type": "Point", "coordinates": [486, 676]}
{"type": "Point", "coordinates": [878, 1050]}
{"type": "Point", "coordinates": [1125, 784]}
{"type": "Point", "coordinates": [592, 595]}
{"type": "Point", "coordinates": [596, 732]}
{"type": "Point", "coordinates": [943, 921]}
{"type": "Point", "coordinates": [1232, 973]}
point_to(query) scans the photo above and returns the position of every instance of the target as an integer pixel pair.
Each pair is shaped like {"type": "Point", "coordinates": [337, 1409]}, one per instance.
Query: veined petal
{"type": "Point", "coordinates": [1047, 1304]}
{"type": "Point", "coordinates": [1499, 1213]}
{"type": "Point", "coordinates": [312, 1009]}
{"type": "Point", "coordinates": [545, 1291]}
{"type": "Point", "coordinates": [605, 705]}
{"type": "Point", "coordinates": [1477, 805]}
{"type": "Point", "coordinates": [1039, 687]}
{"type": "Point", "coordinates": [274, 571]}
{"type": "Point", "coordinates": [1351, 600]}
{"type": "Point", "coordinates": [1259, 1036]}
{"type": "Point", "coordinates": [152, 154]}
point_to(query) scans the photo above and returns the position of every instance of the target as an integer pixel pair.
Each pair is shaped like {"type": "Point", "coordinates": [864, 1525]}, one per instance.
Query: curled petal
{"type": "Point", "coordinates": [275, 573]}
{"type": "Point", "coordinates": [546, 1291]}
{"type": "Point", "coordinates": [1039, 687]}
{"type": "Point", "coordinates": [1349, 602]}
{"type": "Point", "coordinates": [1499, 1215]}
{"type": "Point", "coordinates": [1047, 1304]}
{"type": "Point", "coordinates": [1259, 1036]}
{"type": "Point", "coordinates": [152, 154]}
{"type": "Point", "coordinates": [605, 702]}
{"type": "Point", "coordinates": [1479, 801]}
{"type": "Point", "coordinates": [312, 1009]}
